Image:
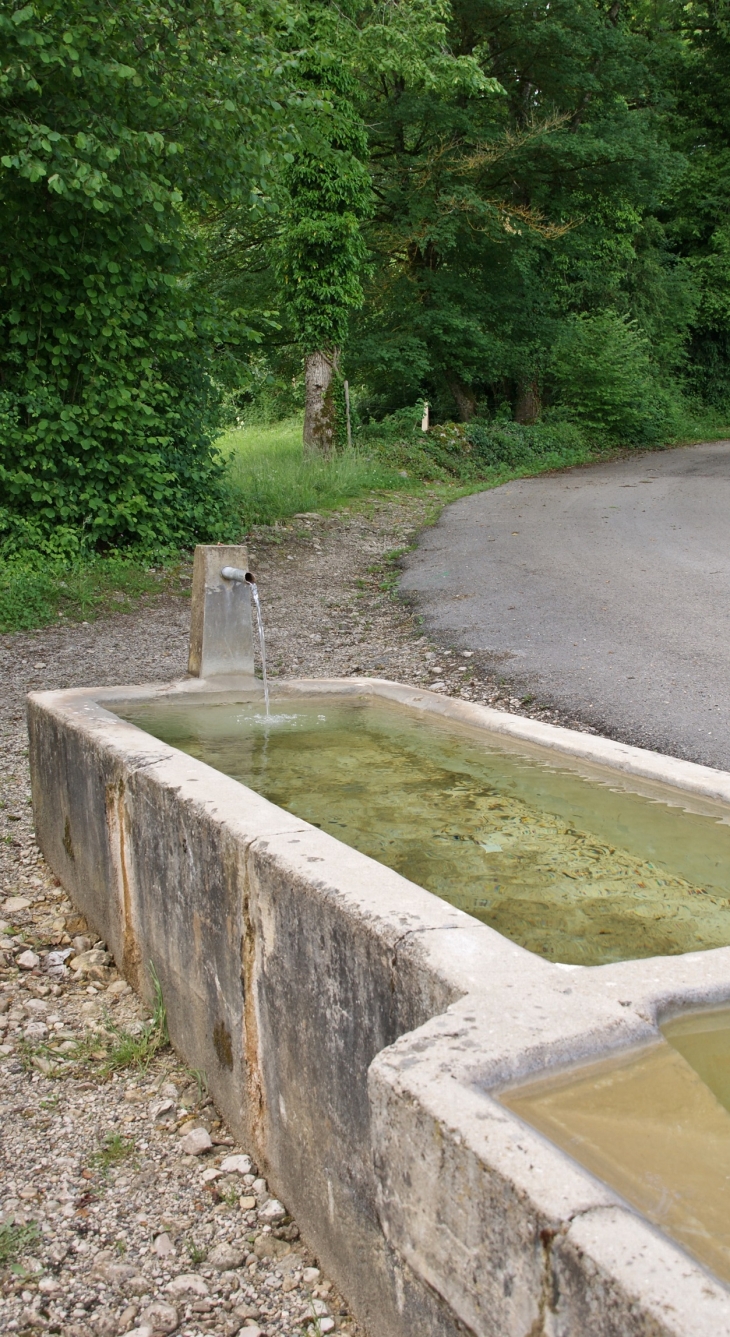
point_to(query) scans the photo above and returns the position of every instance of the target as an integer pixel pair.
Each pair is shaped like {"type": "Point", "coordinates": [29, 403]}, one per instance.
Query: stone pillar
{"type": "Point", "coordinates": [221, 635]}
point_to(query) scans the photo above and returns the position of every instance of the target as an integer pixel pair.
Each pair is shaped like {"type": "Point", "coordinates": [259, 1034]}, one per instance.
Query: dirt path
{"type": "Point", "coordinates": [109, 1226]}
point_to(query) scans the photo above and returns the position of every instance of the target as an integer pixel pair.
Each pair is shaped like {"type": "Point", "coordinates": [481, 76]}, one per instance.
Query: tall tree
{"type": "Point", "coordinates": [697, 213]}
{"type": "Point", "coordinates": [344, 52]}
{"type": "Point", "coordinates": [328, 195]}
{"type": "Point", "coordinates": [499, 219]}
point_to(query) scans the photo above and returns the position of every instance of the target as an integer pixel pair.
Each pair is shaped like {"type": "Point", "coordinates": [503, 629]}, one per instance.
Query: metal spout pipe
{"type": "Point", "coordinates": [235, 573]}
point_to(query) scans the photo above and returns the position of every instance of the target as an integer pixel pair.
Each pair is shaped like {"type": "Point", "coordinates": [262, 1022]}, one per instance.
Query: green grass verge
{"type": "Point", "coordinates": [270, 479]}
{"type": "Point", "coordinates": [35, 594]}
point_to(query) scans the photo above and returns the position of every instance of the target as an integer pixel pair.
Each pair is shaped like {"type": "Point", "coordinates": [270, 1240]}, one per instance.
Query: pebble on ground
{"type": "Point", "coordinates": [125, 1206]}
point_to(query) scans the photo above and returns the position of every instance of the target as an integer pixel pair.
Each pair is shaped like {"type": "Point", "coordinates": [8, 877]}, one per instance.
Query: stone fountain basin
{"type": "Point", "coordinates": [355, 1029]}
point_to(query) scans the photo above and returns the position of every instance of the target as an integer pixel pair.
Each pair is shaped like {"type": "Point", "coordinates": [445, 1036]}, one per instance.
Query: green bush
{"type": "Point", "coordinates": [604, 379]}
{"type": "Point", "coordinates": [26, 600]}
{"type": "Point", "coordinates": [467, 452]}
{"type": "Point", "coordinates": [517, 446]}
{"type": "Point", "coordinates": [120, 124]}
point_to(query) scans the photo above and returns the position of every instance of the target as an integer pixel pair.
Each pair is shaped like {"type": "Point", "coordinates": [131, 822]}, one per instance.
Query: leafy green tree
{"type": "Point", "coordinates": [501, 219]}
{"type": "Point", "coordinates": [315, 242]}
{"type": "Point", "coordinates": [696, 214]}
{"type": "Point", "coordinates": [511, 212]}
{"type": "Point", "coordinates": [604, 379]}
{"type": "Point", "coordinates": [328, 194]}
{"type": "Point", "coordinates": [121, 127]}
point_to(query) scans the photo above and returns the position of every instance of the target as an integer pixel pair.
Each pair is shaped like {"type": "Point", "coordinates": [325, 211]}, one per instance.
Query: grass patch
{"type": "Point", "coordinates": [114, 1149]}
{"type": "Point", "coordinates": [195, 1253]}
{"type": "Point", "coordinates": [270, 479]}
{"type": "Point", "coordinates": [133, 1051]}
{"type": "Point", "coordinates": [34, 594]}
{"type": "Point", "coordinates": [14, 1240]}
{"type": "Point", "coordinates": [137, 1051]}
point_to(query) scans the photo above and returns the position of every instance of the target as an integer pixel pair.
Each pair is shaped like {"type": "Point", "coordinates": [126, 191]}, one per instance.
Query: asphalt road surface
{"type": "Point", "coordinates": [603, 591]}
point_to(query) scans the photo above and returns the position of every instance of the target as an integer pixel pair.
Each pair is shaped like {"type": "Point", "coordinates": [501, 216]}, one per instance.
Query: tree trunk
{"type": "Point", "coordinates": [466, 400]}
{"type": "Point", "coordinates": [527, 408]}
{"type": "Point", "coordinates": [320, 417]}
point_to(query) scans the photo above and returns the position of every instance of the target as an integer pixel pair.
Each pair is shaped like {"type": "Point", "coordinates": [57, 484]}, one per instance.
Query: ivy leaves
{"type": "Point", "coordinates": [122, 127]}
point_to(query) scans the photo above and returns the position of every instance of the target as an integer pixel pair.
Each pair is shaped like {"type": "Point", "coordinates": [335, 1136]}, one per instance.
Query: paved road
{"type": "Point", "coordinates": [604, 591]}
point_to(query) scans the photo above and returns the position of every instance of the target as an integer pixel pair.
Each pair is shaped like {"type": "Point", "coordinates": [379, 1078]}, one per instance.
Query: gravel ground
{"type": "Point", "coordinates": [108, 1223]}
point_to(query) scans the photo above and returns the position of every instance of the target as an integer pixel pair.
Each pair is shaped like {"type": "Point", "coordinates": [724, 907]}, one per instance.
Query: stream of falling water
{"type": "Point", "coordinates": [262, 639]}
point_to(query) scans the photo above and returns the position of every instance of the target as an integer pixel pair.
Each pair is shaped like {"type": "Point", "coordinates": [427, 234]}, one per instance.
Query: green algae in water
{"type": "Point", "coordinates": [653, 1123]}
{"type": "Point", "coordinates": [573, 869]}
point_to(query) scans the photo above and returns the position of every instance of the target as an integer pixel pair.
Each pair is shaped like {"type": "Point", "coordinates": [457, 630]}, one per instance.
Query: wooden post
{"type": "Point", "coordinates": [424, 419]}
{"type": "Point", "coordinates": [347, 410]}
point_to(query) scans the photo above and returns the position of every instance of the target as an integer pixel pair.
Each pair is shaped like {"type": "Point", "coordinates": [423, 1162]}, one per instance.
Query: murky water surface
{"type": "Point", "coordinates": [576, 869]}
{"type": "Point", "coordinates": [655, 1125]}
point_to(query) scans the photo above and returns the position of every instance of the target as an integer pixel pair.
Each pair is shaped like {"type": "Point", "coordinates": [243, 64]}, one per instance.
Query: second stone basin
{"type": "Point", "coordinates": [653, 1123]}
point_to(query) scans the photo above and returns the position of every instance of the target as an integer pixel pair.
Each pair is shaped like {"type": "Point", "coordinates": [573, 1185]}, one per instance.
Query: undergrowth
{"type": "Point", "coordinates": [480, 452]}
{"type": "Point", "coordinates": [36, 589]}
{"type": "Point", "coordinates": [269, 479]}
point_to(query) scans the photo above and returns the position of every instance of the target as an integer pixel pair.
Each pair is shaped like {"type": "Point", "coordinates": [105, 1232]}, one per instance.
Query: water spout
{"type": "Point", "coordinates": [235, 573]}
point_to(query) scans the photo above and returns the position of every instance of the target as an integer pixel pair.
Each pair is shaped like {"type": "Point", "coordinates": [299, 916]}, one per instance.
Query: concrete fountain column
{"type": "Point", "coordinates": [221, 634]}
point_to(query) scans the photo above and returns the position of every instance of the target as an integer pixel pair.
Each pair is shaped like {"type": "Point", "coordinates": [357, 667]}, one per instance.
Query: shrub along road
{"type": "Point", "coordinates": [602, 592]}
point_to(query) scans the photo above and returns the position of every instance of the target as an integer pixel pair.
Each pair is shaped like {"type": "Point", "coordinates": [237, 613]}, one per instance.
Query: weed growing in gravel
{"type": "Point", "coordinates": [14, 1239]}
{"type": "Point", "coordinates": [195, 1253]}
{"type": "Point", "coordinates": [45, 1058]}
{"type": "Point", "coordinates": [116, 1049]}
{"type": "Point", "coordinates": [198, 1076]}
{"type": "Point", "coordinates": [133, 1051]}
{"type": "Point", "coordinates": [313, 1328]}
{"type": "Point", "coordinates": [126, 1051]}
{"type": "Point", "coordinates": [137, 1051]}
{"type": "Point", "coordinates": [388, 567]}
{"type": "Point", "coordinates": [114, 1148]}
{"type": "Point", "coordinates": [231, 1196]}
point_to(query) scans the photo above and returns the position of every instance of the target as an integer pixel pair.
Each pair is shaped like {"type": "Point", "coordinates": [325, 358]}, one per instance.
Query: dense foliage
{"type": "Point", "coordinates": [548, 238]}
{"type": "Point", "coordinates": [120, 126]}
{"type": "Point", "coordinates": [517, 213]}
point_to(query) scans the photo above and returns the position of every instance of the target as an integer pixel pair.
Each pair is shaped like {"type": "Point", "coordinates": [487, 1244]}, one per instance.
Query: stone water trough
{"type": "Point", "coordinates": [356, 1030]}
